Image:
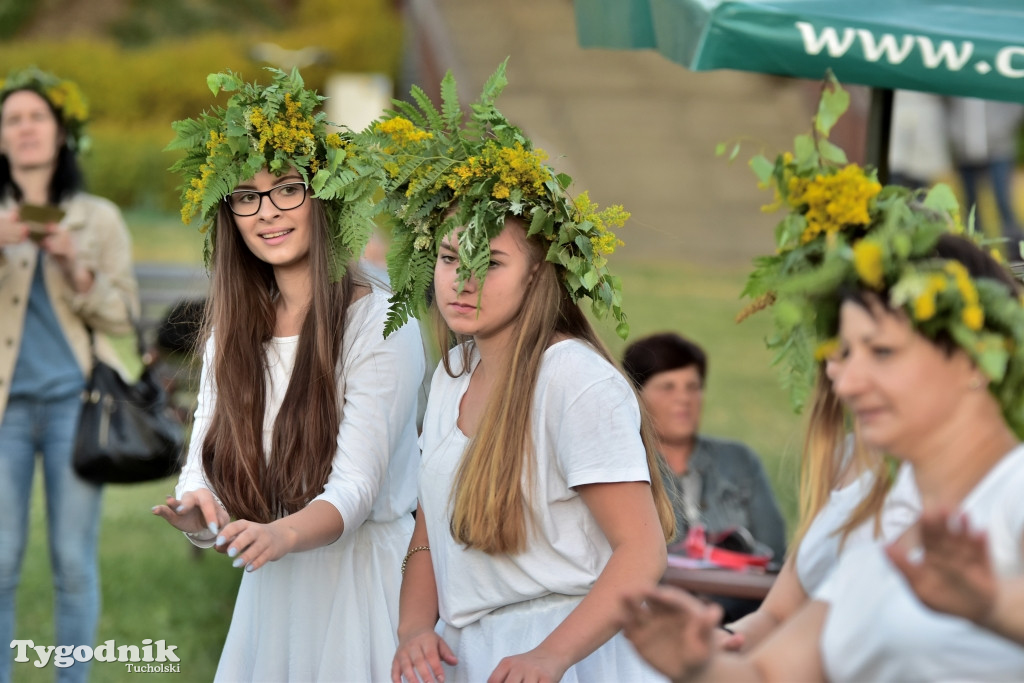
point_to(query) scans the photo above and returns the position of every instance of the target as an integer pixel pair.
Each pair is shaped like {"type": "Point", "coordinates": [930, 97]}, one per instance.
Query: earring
{"type": "Point", "coordinates": [976, 383]}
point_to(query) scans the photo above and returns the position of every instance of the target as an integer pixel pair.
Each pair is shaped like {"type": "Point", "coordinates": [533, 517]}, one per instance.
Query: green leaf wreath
{"type": "Point", "coordinates": [279, 127]}
{"type": "Point", "coordinates": [842, 230]}
{"type": "Point", "coordinates": [65, 96]}
{"type": "Point", "coordinates": [444, 173]}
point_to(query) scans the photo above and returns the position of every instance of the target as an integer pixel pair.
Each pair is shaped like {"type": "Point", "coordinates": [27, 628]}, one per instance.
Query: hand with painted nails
{"type": "Point", "coordinates": [953, 573]}
{"type": "Point", "coordinates": [252, 545]}
{"type": "Point", "coordinates": [197, 512]}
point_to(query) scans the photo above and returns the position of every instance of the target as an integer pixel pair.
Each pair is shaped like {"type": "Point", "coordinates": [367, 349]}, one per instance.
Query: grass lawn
{"type": "Point", "coordinates": [155, 586]}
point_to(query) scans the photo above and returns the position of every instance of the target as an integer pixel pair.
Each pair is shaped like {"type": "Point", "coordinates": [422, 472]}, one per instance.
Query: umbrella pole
{"type": "Point", "coordinates": [879, 132]}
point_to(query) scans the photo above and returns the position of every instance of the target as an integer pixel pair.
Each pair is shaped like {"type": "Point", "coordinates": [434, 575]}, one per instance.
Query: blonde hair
{"type": "Point", "coordinates": [489, 501]}
{"type": "Point", "coordinates": [825, 459]}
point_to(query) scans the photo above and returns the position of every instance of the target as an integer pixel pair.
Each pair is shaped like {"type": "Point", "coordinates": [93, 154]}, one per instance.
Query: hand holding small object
{"type": "Point", "coordinates": [197, 513]}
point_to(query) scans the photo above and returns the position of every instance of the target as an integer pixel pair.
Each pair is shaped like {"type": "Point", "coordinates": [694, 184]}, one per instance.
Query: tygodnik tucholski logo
{"type": "Point", "coordinates": [149, 657]}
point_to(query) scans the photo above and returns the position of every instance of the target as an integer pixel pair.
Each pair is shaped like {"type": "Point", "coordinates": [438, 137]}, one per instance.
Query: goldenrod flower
{"type": "Point", "coordinates": [832, 202]}
{"type": "Point", "coordinates": [867, 260]}
{"type": "Point", "coordinates": [974, 317]}
{"type": "Point", "coordinates": [402, 131]}
{"type": "Point", "coordinates": [924, 306]}
{"type": "Point", "coordinates": [826, 349]}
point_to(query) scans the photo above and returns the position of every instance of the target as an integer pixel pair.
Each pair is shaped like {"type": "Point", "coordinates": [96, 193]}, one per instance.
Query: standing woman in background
{"type": "Point", "coordinates": [62, 284]}
{"type": "Point", "coordinates": [540, 502]}
{"type": "Point", "coordinates": [305, 429]}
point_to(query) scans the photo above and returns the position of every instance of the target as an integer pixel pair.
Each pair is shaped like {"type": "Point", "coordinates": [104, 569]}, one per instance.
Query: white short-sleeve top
{"type": "Point", "coordinates": [877, 629]}
{"type": "Point", "coordinates": [820, 547]}
{"type": "Point", "coordinates": [585, 430]}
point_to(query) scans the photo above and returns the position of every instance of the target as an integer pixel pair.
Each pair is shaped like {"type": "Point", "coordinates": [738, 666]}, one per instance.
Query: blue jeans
{"type": "Point", "coordinates": [29, 427]}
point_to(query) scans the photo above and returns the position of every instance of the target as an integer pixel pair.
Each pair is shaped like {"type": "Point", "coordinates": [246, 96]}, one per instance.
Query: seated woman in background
{"type": "Point", "coordinates": [724, 478]}
{"type": "Point", "coordinates": [717, 483]}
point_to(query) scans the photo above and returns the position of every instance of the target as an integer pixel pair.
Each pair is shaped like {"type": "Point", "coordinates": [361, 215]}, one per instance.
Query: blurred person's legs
{"type": "Point", "coordinates": [18, 441]}
{"type": "Point", "coordinates": [73, 521]}
{"type": "Point", "coordinates": [970, 177]}
{"type": "Point", "coordinates": [1001, 174]}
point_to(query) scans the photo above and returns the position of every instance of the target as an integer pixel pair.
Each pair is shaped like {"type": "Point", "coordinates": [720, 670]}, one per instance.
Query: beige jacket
{"type": "Point", "coordinates": [104, 246]}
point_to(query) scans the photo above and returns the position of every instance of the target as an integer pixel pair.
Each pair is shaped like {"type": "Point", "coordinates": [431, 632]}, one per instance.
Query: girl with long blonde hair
{"type": "Point", "coordinates": [540, 504]}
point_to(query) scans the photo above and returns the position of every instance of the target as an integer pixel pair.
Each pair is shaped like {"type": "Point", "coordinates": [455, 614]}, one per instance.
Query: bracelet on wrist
{"type": "Point", "coordinates": [412, 551]}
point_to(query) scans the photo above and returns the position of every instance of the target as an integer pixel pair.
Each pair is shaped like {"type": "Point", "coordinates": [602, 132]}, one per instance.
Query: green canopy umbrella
{"type": "Point", "coordinates": [968, 48]}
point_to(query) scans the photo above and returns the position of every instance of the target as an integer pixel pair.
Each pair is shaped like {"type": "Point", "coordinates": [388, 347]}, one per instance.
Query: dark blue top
{"type": "Point", "coordinates": [46, 368]}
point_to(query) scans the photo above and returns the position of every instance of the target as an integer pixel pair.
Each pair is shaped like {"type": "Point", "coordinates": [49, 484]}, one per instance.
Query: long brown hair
{"type": "Point", "coordinates": [489, 501]}
{"type": "Point", "coordinates": [250, 483]}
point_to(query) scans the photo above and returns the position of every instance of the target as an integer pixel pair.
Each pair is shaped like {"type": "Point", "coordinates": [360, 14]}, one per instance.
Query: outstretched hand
{"type": "Point", "coordinates": [672, 630]}
{"type": "Point", "coordinates": [195, 513]}
{"type": "Point", "coordinates": [954, 575]}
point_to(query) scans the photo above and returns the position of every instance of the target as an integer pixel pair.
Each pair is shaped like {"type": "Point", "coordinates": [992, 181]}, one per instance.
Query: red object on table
{"type": "Point", "coordinates": [697, 546]}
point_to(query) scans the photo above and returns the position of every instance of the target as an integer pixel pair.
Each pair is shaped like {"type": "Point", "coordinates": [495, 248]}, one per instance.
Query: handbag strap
{"type": "Point", "coordinates": [145, 357]}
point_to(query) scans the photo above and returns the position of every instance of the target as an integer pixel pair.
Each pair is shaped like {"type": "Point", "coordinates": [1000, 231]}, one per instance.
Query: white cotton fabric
{"type": "Point", "coordinates": [877, 630]}
{"type": "Point", "coordinates": [331, 614]}
{"type": "Point", "coordinates": [522, 626]}
{"type": "Point", "coordinates": [820, 547]}
{"type": "Point", "coordinates": [585, 430]}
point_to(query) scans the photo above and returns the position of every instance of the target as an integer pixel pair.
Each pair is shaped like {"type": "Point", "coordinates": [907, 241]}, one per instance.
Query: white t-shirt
{"type": "Point", "coordinates": [586, 430]}
{"type": "Point", "coordinates": [374, 471]}
{"type": "Point", "coordinates": [877, 630]}
{"type": "Point", "coordinates": [820, 547]}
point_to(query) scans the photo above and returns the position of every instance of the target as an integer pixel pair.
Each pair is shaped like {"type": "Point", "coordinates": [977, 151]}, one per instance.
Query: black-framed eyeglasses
{"type": "Point", "coordinates": [285, 197]}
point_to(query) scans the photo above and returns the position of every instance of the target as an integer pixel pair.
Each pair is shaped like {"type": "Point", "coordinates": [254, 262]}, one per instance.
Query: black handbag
{"type": "Point", "coordinates": [127, 433]}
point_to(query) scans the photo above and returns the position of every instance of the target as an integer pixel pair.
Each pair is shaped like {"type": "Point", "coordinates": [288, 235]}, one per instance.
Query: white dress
{"type": "Point", "coordinates": [820, 547]}
{"type": "Point", "coordinates": [877, 630]}
{"type": "Point", "coordinates": [331, 614]}
{"type": "Point", "coordinates": [585, 429]}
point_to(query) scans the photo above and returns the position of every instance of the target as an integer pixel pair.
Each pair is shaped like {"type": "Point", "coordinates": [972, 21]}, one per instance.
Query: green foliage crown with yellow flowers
{"type": "Point", "coordinates": [845, 231]}
{"type": "Point", "coordinates": [278, 127]}
{"type": "Point", "coordinates": [441, 175]}
{"type": "Point", "coordinates": [63, 95]}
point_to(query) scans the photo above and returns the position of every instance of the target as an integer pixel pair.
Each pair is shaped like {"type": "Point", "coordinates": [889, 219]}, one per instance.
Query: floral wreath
{"type": "Point", "coordinates": [845, 230]}
{"type": "Point", "coordinates": [277, 127]}
{"type": "Point", "coordinates": [441, 175]}
{"type": "Point", "coordinates": [63, 95]}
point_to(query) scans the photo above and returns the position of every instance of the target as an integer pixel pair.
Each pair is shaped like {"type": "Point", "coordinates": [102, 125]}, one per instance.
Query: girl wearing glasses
{"type": "Point", "coordinates": [305, 430]}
